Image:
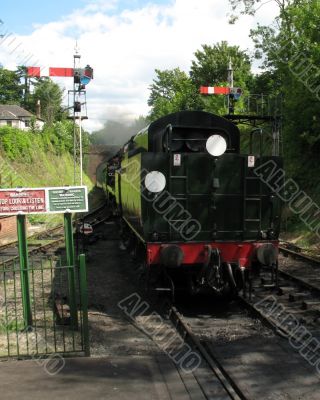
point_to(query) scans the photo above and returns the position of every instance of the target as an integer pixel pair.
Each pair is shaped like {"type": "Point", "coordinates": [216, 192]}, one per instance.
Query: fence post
{"type": "Point", "coordinates": [84, 303]}
{"type": "Point", "coordinates": [24, 270]}
{"type": "Point", "coordinates": [71, 270]}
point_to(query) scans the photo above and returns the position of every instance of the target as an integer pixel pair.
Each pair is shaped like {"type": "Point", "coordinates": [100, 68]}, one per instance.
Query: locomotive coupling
{"type": "Point", "coordinates": [171, 255]}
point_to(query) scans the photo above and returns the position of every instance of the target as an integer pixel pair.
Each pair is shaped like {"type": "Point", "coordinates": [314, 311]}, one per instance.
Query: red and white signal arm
{"type": "Point", "coordinates": [86, 229]}
{"type": "Point", "coordinates": [214, 90]}
{"type": "Point", "coordinates": [38, 72]}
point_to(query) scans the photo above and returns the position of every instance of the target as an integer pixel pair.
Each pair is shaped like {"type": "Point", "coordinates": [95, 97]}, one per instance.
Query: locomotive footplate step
{"type": "Point", "coordinates": [119, 378]}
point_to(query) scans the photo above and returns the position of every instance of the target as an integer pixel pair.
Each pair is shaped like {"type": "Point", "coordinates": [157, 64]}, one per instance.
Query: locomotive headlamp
{"type": "Point", "coordinates": [155, 181]}
{"type": "Point", "coordinates": [216, 145]}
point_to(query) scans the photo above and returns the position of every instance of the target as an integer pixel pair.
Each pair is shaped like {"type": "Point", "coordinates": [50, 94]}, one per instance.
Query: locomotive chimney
{"type": "Point", "coordinates": [38, 109]}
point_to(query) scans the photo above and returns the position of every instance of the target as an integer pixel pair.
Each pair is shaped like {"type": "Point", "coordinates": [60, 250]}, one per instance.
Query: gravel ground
{"type": "Point", "coordinates": [298, 267]}
{"type": "Point", "coordinates": [111, 278]}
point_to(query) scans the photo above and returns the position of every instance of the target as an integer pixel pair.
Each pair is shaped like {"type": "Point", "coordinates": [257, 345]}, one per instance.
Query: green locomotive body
{"type": "Point", "coordinates": [188, 194]}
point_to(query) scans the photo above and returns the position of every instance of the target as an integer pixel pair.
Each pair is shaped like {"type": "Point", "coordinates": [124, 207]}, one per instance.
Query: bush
{"type": "Point", "coordinates": [21, 145]}
{"type": "Point", "coordinates": [16, 144]}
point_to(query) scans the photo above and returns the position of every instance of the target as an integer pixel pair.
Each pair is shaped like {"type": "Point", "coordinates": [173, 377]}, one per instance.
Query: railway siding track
{"type": "Point", "coordinates": [46, 240]}
{"type": "Point", "coordinates": [289, 249]}
{"type": "Point", "coordinates": [292, 309]}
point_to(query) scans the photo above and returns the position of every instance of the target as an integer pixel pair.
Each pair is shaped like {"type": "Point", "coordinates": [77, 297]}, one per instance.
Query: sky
{"type": "Point", "coordinates": [123, 40]}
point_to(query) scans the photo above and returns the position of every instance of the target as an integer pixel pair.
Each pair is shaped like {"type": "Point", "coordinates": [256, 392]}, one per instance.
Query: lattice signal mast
{"type": "Point", "coordinates": [77, 104]}
{"type": "Point", "coordinates": [258, 111]}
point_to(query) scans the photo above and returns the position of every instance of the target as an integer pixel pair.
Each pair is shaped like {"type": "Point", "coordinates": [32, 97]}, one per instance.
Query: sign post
{"type": "Point", "coordinates": [70, 262]}
{"type": "Point", "coordinates": [24, 270]}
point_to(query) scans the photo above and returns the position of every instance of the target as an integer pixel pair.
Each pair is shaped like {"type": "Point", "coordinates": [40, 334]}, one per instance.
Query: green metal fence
{"type": "Point", "coordinates": [56, 311]}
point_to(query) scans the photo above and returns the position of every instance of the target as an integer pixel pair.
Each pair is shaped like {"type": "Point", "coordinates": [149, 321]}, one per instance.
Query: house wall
{"type": "Point", "coordinates": [21, 124]}
{"type": "Point", "coordinates": [15, 124]}
{"type": "Point", "coordinates": [8, 229]}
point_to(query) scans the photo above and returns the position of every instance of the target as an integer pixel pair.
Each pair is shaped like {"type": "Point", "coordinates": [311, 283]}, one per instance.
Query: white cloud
{"type": "Point", "coordinates": [125, 47]}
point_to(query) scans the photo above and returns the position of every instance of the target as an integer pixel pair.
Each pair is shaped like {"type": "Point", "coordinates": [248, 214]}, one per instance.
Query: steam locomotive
{"type": "Point", "coordinates": [193, 204]}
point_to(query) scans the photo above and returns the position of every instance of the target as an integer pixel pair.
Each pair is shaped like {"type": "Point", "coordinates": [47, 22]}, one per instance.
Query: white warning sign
{"type": "Point", "coordinates": [251, 161]}
{"type": "Point", "coordinates": [176, 160]}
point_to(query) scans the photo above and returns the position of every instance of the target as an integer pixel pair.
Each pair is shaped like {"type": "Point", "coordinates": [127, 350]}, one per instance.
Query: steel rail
{"type": "Point", "coordinates": [275, 318]}
{"type": "Point", "coordinates": [298, 255]}
{"type": "Point", "coordinates": [230, 386]}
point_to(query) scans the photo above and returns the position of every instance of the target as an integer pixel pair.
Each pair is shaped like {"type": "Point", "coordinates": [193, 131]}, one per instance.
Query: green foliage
{"type": "Point", "coordinates": [171, 91]}
{"type": "Point", "coordinates": [22, 145]}
{"type": "Point", "coordinates": [16, 144]}
{"type": "Point", "coordinates": [292, 59]}
{"type": "Point", "coordinates": [10, 87]}
{"type": "Point", "coordinates": [12, 91]}
{"type": "Point", "coordinates": [210, 66]}
{"type": "Point", "coordinates": [60, 135]}
{"type": "Point", "coordinates": [290, 50]}
{"type": "Point", "coordinates": [50, 96]}
{"type": "Point", "coordinates": [250, 7]}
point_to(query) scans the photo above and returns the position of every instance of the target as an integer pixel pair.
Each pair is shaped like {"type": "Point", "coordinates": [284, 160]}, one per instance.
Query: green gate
{"type": "Point", "coordinates": [43, 302]}
{"type": "Point", "coordinates": [53, 319]}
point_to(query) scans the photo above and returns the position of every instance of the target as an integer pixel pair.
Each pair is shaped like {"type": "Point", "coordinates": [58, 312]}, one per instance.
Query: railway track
{"type": "Point", "coordinates": [245, 356]}
{"type": "Point", "coordinates": [232, 390]}
{"type": "Point", "coordinates": [273, 319]}
{"type": "Point", "coordinates": [42, 242]}
{"type": "Point", "coordinates": [289, 249]}
{"type": "Point", "coordinates": [299, 284]}
{"type": "Point", "coordinates": [293, 308]}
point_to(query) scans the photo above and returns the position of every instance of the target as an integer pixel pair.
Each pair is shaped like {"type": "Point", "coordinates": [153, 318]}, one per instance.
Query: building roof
{"type": "Point", "coordinates": [11, 112]}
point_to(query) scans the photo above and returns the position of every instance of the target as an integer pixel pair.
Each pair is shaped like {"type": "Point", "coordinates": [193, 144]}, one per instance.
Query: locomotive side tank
{"type": "Point", "coordinates": [195, 202]}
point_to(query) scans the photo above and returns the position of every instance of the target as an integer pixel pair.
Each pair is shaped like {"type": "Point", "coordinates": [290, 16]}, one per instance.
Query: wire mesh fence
{"type": "Point", "coordinates": [53, 327]}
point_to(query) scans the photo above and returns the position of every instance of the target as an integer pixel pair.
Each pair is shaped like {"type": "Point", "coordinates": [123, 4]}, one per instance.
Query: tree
{"type": "Point", "coordinates": [210, 69]}
{"type": "Point", "coordinates": [50, 96]}
{"type": "Point", "coordinates": [171, 91]}
{"type": "Point", "coordinates": [290, 52]}
{"type": "Point", "coordinates": [291, 56]}
{"type": "Point", "coordinates": [250, 7]}
{"type": "Point", "coordinates": [211, 63]}
{"type": "Point", "coordinates": [10, 88]}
